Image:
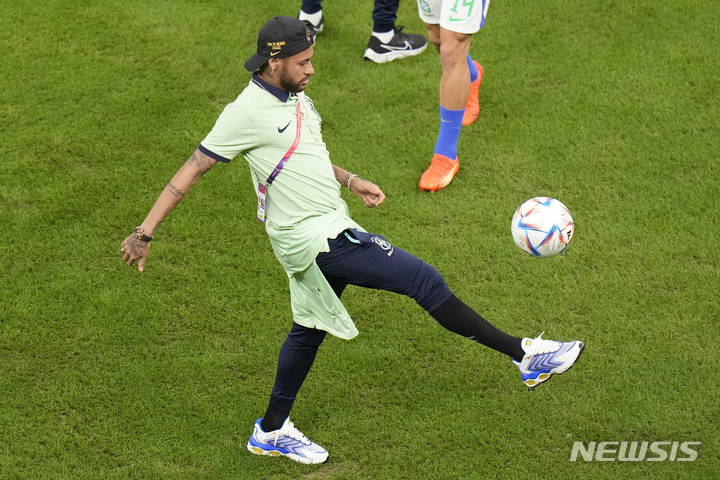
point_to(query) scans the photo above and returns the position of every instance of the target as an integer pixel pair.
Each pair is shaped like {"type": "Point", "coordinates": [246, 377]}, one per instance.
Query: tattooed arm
{"type": "Point", "coordinates": [370, 193]}
{"type": "Point", "coordinates": [342, 176]}
{"type": "Point", "coordinates": [194, 168]}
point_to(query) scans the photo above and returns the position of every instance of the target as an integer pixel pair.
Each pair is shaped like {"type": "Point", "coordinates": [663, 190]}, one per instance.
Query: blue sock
{"type": "Point", "coordinates": [473, 69]}
{"type": "Point", "coordinates": [450, 124]}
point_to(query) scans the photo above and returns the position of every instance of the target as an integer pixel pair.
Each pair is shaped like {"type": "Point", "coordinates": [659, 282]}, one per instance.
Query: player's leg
{"type": "Point", "coordinates": [448, 83]}
{"type": "Point", "coordinates": [274, 434]}
{"type": "Point", "coordinates": [455, 78]}
{"type": "Point", "coordinates": [467, 17]}
{"type": "Point", "coordinates": [450, 25]}
{"type": "Point", "coordinates": [472, 108]}
{"type": "Point", "coordinates": [454, 92]}
{"type": "Point", "coordinates": [369, 260]}
{"type": "Point", "coordinates": [311, 6]}
{"type": "Point", "coordinates": [297, 355]}
{"type": "Point", "coordinates": [434, 35]}
{"type": "Point", "coordinates": [311, 11]}
{"type": "Point", "coordinates": [387, 41]}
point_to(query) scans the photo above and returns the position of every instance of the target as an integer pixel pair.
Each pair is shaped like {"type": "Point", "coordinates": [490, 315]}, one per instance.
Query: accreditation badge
{"type": "Point", "coordinates": [261, 191]}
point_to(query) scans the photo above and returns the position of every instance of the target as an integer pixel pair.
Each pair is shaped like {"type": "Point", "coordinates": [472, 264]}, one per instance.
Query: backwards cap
{"type": "Point", "coordinates": [280, 37]}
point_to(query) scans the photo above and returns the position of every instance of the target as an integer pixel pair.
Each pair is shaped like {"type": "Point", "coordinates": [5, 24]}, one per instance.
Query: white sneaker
{"type": "Point", "coordinates": [545, 357]}
{"type": "Point", "coordinates": [288, 441]}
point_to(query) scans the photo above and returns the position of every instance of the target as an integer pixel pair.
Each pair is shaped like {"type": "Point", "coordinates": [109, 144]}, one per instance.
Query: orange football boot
{"type": "Point", "coordinates": [441, 172]}
{"type": "Point", "coordinates": [472, 108]}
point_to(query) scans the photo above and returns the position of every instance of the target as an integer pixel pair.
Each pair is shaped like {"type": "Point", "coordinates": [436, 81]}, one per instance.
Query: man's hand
{"type": "Point", "coordinates": [135, 249]}
{"type": "Point", "coordinates": [370, 193]}
{"type": "Point", "coordinates": [195, 167]}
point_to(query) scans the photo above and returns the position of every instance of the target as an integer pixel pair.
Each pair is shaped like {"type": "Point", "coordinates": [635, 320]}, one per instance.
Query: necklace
{"type": "Point", "coordinates": [303, 115]}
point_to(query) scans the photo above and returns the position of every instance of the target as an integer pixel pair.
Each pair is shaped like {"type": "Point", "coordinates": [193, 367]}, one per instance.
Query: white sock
{"type": "Point", "coordinates": [384, 37]}
{"type": "Point", "coordinates": [313, 18]}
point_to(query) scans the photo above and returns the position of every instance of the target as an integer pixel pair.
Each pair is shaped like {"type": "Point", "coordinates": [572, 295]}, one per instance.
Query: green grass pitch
{"type": "Point", "coordinates": [106, 373]}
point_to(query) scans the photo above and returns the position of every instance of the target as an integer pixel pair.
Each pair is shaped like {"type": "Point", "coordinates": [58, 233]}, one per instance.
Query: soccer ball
{"type": "Point", "coordinates": [542, 227]}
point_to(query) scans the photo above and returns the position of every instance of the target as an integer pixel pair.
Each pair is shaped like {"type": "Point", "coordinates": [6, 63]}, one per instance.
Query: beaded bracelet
{"type": "Point", "coordinates": [349, 182]}
{"type": "Point", "coordinates": [139, 233]}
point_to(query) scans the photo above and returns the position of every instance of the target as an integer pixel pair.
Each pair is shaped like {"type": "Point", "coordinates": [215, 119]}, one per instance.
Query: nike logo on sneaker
{"type": "Point", "coordinates": [407, 46]}
{"type": "Point", "coordinates": [281, 130]}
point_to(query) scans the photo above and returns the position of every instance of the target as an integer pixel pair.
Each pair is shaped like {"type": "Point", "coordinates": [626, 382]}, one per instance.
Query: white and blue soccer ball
{"type": "Point", "coordinates": [542, 227]}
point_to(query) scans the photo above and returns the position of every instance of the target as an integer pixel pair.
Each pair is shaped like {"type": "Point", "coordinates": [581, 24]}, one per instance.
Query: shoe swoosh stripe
{"type": "Point", "coordinates": [390, 47]}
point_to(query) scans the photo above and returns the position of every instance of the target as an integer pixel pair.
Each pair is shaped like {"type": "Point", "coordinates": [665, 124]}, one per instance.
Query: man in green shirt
{"type": "Point", "coordinates": [276, 128]}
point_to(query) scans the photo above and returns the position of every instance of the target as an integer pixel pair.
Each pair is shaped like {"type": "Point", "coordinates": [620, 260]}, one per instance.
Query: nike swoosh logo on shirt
{"type": "Point", "coordinates": [281, 130]}
{"type": "Point", "coordinates": [390, 47]}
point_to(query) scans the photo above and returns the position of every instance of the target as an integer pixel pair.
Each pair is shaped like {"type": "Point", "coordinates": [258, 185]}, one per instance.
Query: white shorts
{"type": "Point", "coordinates": [461, 16]}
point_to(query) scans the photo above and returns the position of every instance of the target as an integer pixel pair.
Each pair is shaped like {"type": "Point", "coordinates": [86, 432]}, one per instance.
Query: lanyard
{"type": "Point", "coordinates": [262, 188]}
{"type": "Point", "coordinates": [284, 160]}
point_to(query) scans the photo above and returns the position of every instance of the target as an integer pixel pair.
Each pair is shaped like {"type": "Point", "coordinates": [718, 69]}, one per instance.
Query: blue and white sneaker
{"type": "Point", "coordinates": [545, 357]}
{"type": "Point", "coordinates": [287, 441]}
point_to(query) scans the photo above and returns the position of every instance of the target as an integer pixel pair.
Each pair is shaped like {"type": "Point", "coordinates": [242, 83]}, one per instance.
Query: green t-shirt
{"type": "Point", "coordinates": [303, 205]}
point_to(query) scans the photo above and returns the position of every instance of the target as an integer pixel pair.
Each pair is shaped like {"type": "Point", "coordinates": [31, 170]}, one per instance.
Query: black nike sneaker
{"type": "Point", "coordinates": [402, 45]}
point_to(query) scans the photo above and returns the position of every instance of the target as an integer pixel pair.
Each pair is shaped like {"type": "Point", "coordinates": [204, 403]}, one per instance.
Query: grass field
{"type": "Point", "coordinates": [107, 373]}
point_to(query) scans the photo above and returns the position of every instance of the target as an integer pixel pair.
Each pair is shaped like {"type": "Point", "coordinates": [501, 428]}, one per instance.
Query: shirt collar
{"type": "Point", "coordinates": [278, 93]}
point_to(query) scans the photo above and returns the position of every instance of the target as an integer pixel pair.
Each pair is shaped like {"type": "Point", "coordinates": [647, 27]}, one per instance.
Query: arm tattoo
{"type": "Point", "coordinates": [200, 161]}
{"type": "Point", "coordinates": [175, 191]}
{"type": "Point", "coordinates": [341, 175]}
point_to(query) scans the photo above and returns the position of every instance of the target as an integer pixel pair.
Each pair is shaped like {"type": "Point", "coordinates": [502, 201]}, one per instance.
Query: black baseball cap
{"type": "Point", "coordinates": [280, 37]}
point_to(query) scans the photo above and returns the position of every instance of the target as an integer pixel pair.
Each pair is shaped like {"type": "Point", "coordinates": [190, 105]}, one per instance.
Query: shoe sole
{"type": "Point", "coordinates": [275, 453]}
{"type": "Point", "coordinates": [445, 181]}
{"type": "Point", "coordinates": [543, 377]}
{"type": "Point", "coordinates": [373, 56]}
